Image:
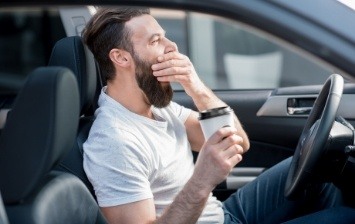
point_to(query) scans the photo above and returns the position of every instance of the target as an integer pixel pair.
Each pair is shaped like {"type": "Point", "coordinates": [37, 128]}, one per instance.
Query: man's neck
{"type": "Point", "coordinates": [131, 98]}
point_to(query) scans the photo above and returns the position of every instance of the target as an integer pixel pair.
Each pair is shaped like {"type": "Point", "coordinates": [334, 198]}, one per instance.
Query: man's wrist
{"type": "Point", "coordinates": [204, 99]}
{"type": "Point", "coordinates": [199, 190]}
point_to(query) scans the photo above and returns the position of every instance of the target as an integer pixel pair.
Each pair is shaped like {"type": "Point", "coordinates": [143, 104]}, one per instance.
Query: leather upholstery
{"type": "Point", "coordinates": [40, 130]}
{"type": "Point", "coordinates": [73, 54]}
{"type": "Point", "coordinates": [73, 160]}
{"type": "Point", "coordinates": [63, 198]}
{"type": "Point", "coordinates": [3, 216]}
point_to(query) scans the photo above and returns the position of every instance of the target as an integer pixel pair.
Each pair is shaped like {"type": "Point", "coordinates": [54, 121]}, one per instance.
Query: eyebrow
{"type": "Point", "coordinates": [157, 34]}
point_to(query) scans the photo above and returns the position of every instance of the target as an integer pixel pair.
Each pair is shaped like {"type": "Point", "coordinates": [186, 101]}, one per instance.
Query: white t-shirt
{"type": "Point", "coordinates": [128, 157]}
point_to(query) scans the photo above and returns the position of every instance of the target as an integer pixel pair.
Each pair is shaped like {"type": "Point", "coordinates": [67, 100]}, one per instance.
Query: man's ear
{"type": "Point", "coordinates": [120, 57]}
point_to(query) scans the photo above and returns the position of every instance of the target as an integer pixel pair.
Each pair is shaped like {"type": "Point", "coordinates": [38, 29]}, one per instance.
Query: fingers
{"type": "Point", "coordinates": [172, 74]}
{"type": "Point", "coordinates": [232, 151]}
{"type": "Point", "coordinates": [171, 59]}
{"type": "Point", "coordinates": [221, 134]}
{"type": "Point", "coordinates": [172, 64]}
{"type": "Point", "coordinates": [171, 55]}
{"type": "Point", "coordinates": [228, 143]}
{"type": "Point", "coordinates": [231, 140]}
{"type": "Point", "coordinates": [219, 155]}
{"type": "Point", "coordinates": [234, 160]}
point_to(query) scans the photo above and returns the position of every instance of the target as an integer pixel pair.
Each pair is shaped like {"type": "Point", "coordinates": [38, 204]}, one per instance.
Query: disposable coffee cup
{"type": "Point", "coordinates": [213, 119]}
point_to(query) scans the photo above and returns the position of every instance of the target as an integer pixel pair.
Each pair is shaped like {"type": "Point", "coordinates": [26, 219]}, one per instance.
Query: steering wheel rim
{"type": "Point", "coordinates": [314, 136]}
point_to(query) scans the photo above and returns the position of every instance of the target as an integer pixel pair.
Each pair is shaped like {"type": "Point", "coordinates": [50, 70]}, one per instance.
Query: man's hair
{"type": "Point", "coordinates": [106, 30]}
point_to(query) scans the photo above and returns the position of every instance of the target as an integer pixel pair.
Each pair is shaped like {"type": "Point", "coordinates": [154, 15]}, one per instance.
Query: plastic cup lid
{"type": "Point", "coordinates": [214, 112]}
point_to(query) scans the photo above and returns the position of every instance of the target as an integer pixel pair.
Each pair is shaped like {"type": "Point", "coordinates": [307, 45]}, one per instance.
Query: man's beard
{"type": "Point", "coordinates": [157, 94]}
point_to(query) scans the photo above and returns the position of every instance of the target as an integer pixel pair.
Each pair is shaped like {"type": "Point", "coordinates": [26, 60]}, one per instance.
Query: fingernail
{"type": "Point", "coordinates": [160, 58]}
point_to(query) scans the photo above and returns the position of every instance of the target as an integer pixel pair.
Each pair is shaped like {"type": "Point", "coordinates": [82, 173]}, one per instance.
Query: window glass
{"type": "Point", "coordinates": [225, 54]}
{"type": "Point", "coordinates": [247, 59]}
{"type": "Point", "coordinates": [228, 55]}
{"type": "Point", "coordinates": [26, 39]}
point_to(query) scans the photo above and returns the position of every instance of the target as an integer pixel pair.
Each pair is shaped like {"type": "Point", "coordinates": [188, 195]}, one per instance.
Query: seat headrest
{"type": "Point", "coordinates": [40, 129]}
{"type": "Point", "coordinates": [70, 52]}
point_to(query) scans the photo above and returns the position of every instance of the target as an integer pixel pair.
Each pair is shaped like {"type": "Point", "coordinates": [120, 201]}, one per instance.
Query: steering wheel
{"type": "Point", "coordinates": [314, 136]}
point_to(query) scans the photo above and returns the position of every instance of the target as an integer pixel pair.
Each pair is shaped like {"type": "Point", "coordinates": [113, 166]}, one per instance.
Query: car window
{"type": "Point", "coordinates": [229, 55]}
{"type": "Point", "coordinates": [226, 54]}
{"type": "Point", "coordinates": [26, 39]}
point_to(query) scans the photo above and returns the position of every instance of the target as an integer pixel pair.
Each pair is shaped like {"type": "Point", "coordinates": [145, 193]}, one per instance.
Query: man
{"type": "Point", "coordinates": [138, 154]}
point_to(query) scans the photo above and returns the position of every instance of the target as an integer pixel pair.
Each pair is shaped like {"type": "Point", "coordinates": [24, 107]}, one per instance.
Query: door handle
{"type": "Point", "coordinates": [299, 110]}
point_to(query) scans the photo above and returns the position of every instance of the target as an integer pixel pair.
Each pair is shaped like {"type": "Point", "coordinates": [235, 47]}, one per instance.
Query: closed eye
{"type": "Point", "coordinates": [156, 40]}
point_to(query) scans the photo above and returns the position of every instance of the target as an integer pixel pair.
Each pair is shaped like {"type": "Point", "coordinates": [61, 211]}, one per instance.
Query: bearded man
{"type": "Point", "coordinates": [138, 155]}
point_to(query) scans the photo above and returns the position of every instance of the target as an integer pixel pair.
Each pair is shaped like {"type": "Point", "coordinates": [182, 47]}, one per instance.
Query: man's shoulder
{"type": "Point", "coordinates": [110, 137]}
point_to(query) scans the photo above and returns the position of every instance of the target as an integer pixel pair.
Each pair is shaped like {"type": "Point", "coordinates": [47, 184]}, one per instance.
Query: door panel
{"type": "Point", "coordinates": [272, 130]}
{"type": "Point", "coordinates": [270, 141]}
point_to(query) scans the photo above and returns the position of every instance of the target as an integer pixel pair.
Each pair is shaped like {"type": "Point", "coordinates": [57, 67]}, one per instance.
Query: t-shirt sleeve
{"type": "Point", "coordinates": [118, 170]}
{"type": "Point", "coordinates": [180, 111]}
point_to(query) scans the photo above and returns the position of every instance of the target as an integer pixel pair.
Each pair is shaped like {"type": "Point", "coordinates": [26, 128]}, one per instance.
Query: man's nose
{"type": "Point", "coordinates": [170, 46]}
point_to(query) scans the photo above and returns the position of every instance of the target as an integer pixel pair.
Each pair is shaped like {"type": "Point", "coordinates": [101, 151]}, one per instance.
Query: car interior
{"type": "Point", "coordinates": [52, 176]}
{"type": "Point", "coordinates": [70, 52]}
{"type": "Point", "coordinates": [32, 187]}
{"type": "Point", "coordinates": [3, 216]}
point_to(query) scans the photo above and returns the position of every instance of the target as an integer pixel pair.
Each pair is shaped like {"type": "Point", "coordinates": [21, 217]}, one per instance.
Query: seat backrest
{"type": "Point", "coordinates": [70, 52]}
{"type": "Point", "coordinates": [43, 126]}
{"type": "Point", "coordinates": [40, 129]}
{"type": "Point", "coordinates": [3, 216]}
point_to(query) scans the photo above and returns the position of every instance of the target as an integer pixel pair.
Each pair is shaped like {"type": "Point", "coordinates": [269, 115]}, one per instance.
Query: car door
{"type": "Point", "coordinates": [270, 86]}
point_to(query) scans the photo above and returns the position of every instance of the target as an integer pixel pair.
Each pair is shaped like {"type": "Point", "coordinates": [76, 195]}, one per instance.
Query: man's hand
{"type": "Point", "coordinates": [176, 67]}
{"type": "Point", "coordinates": [221, 152]}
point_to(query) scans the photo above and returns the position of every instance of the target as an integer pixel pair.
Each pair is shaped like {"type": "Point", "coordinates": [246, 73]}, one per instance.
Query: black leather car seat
{"type": "Point", "coordinates": [3, 216]}
{"type": "Point", "coordinates": [40, 129]}
{"type": "Point", "coordinates": [70, 52]}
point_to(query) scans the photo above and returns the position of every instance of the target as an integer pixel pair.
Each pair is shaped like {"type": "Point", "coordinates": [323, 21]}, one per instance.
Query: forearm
{"type": "Point", "coordinates": [204, 99]}
{"type": "Point", "coordinates": [187, 205]}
